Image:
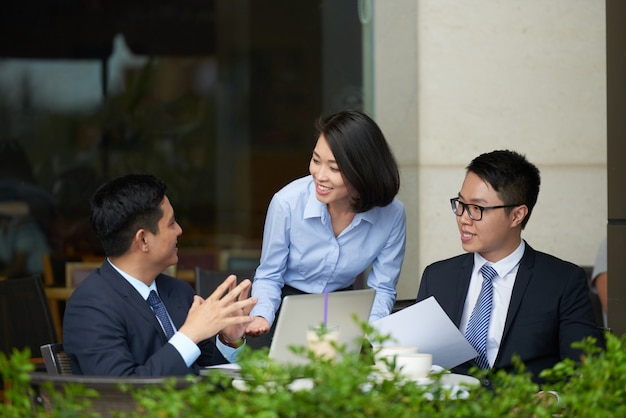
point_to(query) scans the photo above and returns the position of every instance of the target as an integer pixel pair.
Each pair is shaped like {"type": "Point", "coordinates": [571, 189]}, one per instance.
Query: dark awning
{"type": "Point", "coordinates": [84, 29]}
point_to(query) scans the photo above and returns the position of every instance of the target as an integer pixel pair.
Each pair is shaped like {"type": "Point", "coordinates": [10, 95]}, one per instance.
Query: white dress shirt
{"type": "Point", "coordinates": [502, 290]}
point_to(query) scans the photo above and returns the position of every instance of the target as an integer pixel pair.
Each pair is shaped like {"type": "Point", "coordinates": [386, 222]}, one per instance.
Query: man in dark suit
{"type": "Point", "coordinates": [538, 304]}
{"type": "Point", "coordinates": [115, 323]}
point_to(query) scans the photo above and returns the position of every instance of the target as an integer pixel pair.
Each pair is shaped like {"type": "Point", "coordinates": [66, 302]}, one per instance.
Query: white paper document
{"type": "Point", "coordinates": [427, 326]}
{"type": "Point", "coordinates": [230, 369]}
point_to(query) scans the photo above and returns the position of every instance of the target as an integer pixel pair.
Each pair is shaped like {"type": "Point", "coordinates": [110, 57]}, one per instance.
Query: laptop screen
{"type": "Point", "coordinates": [299, 312]}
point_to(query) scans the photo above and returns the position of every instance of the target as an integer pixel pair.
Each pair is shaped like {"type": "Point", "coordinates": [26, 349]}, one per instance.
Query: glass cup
{"type": "Point", "coordinates": [323, 340]}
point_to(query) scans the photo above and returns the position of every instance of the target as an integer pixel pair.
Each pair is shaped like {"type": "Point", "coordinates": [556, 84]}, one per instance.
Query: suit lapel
{"type": "Point", "coordinates": [130, 296]}
{"type": "Point", "coordinates": [524, 275]}
{"type": "Point", "coordinates": [461, 286]}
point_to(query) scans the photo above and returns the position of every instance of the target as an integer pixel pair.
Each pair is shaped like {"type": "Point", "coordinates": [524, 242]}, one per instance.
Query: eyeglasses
{"type": "Point", "coordinates": [475, 212]}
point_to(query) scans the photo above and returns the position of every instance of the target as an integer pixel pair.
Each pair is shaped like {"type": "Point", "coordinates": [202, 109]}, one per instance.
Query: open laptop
{"type": "Point", "coordinates": [298, 312]}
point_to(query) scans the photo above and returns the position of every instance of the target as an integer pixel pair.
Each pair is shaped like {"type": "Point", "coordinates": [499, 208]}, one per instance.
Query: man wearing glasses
{"type": "Point", "coordinates": [523, 301]}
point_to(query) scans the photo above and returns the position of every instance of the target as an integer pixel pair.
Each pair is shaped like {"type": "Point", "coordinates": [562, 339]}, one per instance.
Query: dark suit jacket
{"type": "Point", "coordinates": [550, 308]}
{"type": "Point", "coordinates": [110, 330]}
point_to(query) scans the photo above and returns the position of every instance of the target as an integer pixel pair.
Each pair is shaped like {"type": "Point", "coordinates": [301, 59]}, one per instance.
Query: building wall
{"type": "Point", "coordinates": [454, 79]}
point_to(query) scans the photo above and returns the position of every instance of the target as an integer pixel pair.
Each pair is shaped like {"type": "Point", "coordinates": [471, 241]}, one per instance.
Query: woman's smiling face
{"type": "Point", "coordinates": [330, 187]}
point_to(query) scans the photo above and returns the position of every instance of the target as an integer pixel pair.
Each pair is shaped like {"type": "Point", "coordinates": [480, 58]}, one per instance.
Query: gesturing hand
{"type": "Point", "coordinates": [221, 311]}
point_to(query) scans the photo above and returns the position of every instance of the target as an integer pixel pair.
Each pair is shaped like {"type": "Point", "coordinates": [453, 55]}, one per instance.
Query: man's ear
{"type": "Point", "coordinates": [141, 240]}
{"type": "Point", "coordinates": [519, 214]}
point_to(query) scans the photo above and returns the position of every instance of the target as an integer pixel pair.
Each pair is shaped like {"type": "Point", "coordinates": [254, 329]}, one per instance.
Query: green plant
{"type": "Point", "coordinates": [15, 375]}
{"type": "Point", "coordinates": [345, 387]}
{"type": "Point", "coordinates": [22, 401]}
{"type": "Point", "coordinates": [594, 387]}
{"type": "Point", "coordinates": [321, 329]}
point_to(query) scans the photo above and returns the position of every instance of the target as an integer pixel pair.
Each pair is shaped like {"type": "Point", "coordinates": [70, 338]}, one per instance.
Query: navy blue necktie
{"type": "Point", "coordinates": [159, 309]}
{"type": "Point", "coordinates": [478, 324]}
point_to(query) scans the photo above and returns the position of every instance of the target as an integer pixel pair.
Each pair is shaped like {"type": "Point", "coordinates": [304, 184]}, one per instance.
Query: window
{"type": "Point", "coordinates": [217, 98]}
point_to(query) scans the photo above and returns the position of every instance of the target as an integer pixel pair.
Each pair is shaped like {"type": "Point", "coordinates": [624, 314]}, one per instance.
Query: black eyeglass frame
{"type": "Point", "coordinates": [482, 208]}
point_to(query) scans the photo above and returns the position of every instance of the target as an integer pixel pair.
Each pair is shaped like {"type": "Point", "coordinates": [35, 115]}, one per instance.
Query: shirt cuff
{"type": "Point", "coordinates": [229, 353]}
{"type": "Point", "coordinates": [267, 313]}
{"type": "Point", "coordinates": [187, 349]}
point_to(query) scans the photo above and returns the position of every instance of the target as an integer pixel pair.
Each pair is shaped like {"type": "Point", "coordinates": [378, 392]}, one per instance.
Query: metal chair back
{"type": "Point", "coordinates": [56, 360]}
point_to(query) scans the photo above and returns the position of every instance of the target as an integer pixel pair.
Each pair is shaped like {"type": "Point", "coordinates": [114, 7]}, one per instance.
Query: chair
{"type": "Point", "coordinates": [207, 280]}
{"type": "Point", "coordinates": [54, 279]}
{"type": "Point", "coordinates": [56, 360]}
{"type": "Point", "coordinates": [54, 268]}
{"type": "Point", "coordinates": [112, 400]}
{"type": "Point", "coordinates": [77, 271]}
{"type": "Point", "coordinates": [171, 270]}
{"type": "Point", "coordinates": [48, 270]}
{"type": "Point", "coordinates": [239, 259]}
{"type": "Point", "coordinates": [26, 321]}
{"type": "Point", "coordinates": [595, 299]}
{"type": "Point", "coordinates": [190, 258]}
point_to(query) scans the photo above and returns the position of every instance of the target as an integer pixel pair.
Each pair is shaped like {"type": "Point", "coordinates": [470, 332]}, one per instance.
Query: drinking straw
{"type": "Point", "coordinates": [325, 306]}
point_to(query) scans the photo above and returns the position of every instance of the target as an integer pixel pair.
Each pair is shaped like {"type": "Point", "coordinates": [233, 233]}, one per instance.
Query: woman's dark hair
{"type": "Point", "coordinates": [363, 157]}
{"type": "Point", "coordinates": [511, 175]}
{"type": "Point", "coordinates": [124, 205]}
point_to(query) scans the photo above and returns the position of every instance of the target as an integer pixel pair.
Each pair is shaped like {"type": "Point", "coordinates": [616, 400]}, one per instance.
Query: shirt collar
{"type": "Point", "coordinates": [316, 209]}
{"type": "Point", "coordinates": [139, 286]}
{"type": "Point", "coordinates": [507, 264]}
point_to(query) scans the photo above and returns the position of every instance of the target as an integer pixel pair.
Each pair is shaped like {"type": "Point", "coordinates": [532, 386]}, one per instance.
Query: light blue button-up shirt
{"type": "Point", "coordinates": [300, 250]}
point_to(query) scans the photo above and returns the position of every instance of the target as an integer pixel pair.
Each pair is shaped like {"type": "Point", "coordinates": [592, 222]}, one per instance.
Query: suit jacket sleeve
{"type": "Point", "coordinates": [550, 309]}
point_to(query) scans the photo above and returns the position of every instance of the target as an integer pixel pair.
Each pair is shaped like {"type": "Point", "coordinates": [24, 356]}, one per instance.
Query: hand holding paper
{"type": "Point", "coordinates": [427, 326]}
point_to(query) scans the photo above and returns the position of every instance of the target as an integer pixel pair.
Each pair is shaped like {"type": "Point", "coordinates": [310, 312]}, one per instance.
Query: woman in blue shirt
{"type": "Point", "coordinates": [323, 230]}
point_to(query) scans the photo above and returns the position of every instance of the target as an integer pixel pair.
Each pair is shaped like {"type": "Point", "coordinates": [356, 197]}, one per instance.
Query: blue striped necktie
{"type": "Point", "coordinates": [159, 309]}
{"type": "Point", "coordinates": [478, 324]}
